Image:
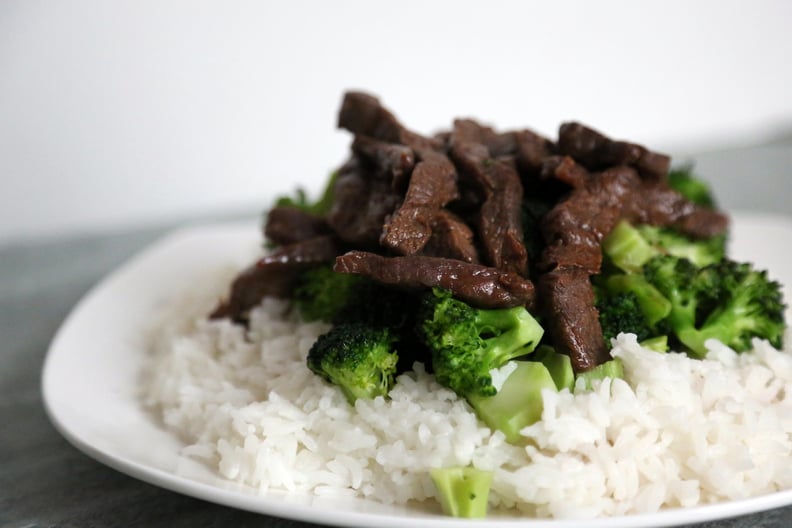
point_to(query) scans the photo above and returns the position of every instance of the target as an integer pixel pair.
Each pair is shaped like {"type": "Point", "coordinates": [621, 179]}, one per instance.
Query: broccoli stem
{"type": "Point", "coordinates": [462, 491]}
{"type": "Point", "coordinates": [518, 403]}
{"type": "Point", "coordinates": [517, 326]}
{"type": "Point", "coordinates": [658, 344]}
{"type": "Point", "coordinates": [558, 365]}
{"type": "Point", "coordinates": [627, 248]}
{"type": "Point", "coordinates": [609, 369]}
{"type": "Point", "coordinates": [654, 305]}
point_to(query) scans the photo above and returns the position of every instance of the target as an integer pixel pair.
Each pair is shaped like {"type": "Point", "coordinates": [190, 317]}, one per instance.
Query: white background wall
{"type": "Point", "coordinates": [116, 114]}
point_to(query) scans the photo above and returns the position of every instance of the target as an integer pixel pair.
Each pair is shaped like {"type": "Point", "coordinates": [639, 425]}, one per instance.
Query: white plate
{"type": "Point", "coordinates": [91, 373]}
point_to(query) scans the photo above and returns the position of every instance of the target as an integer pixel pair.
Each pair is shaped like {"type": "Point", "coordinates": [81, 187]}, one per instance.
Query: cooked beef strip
{"type": "Point", "coordinates": [597, 151]}
{"type": "Point", "coordinates": [392, 166]}
{"type": "Point", "coordinates": [501, 145]}
{"type": "Point", "coordinates": [360, 205]}
{"type": "Point", "coordinates": [451, 238]}
{"type": "Point", "coordinates": [565, 170]}
{"type": "Point", "coordinates": [573, 231]}
{"type": "Point", "coordinates": [391, 162]}
{"type": "Point", "coordinates": [570, 318]}
{"type": "Point", "coordinates": [658, 204]}
{"type": "Point", "coordinates": [499, 219]}
{"type": "Point", "coordinates": [432, 186]}
{"type": "Point", "coordinates": [286, 225]}
{"type": "Point", "coordinates": [478, 285]}
{"type": "Point", "coordinates": [274, 275]}
{"type": "Point", "coordinates": [432, 183]}
{"type": "Point", "coordinates": [531, 151]}
{"type": "Point", "coordinates": [498, 144]}
{"type": "Point", "coordinates": [363, 115]}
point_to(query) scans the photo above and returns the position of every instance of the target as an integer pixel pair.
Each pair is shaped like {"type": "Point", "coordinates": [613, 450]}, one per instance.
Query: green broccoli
{"type": "Point", "coordinates": [626, 248]}
{"type": "Point", "coordinates": [651, 303]}
{"type": "Point", "coordinates": [558, 365]}
{"type": "Point", "coordinates": [629, 247]}
{"type": "Point", "coordinates": [744, 304]}
{"type": "Point", "coordinates": [691, 187]}
{"type": "Point", "coordinates": [320, 293]}
{"type": "Point", "coordinates": [360, 359]}
{"type": "Point", "coordinates": [343, 298]}
{"type": "Point", "coordinates": [462, 491]}
{"type": "Point", "coordinates": [622, 313]}
{"type": "Point", "coordinates": [728, 301]}
{"type": "Point", "coordinates": [679, 281]}
{"type": "Point", "coordinates": [610, 369]}
{"type": "Point", "coordinates": [300, 200]}
{"type": "Point", "coordinates": [518, 403]}
{"type": "Point", "coordinates": [466, 343]}
{"type": "Point", "coordinates": [701, 252]}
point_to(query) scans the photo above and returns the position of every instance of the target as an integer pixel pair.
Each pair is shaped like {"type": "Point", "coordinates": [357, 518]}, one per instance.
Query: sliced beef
{"type": "Point", "coordinates": [597, 151]}
{"type": "Point", "coordinates": [286, 225]}
{"type": "Point", "coordinates": [432, 186]}
{"type": "Point", "coordinates": [452, 208]}
{"type": "Point", "coordinates": [432, 182]}
{"type": "Point", "coordinates": [363, 115]}
{"type": "Point", "coordinates": [660, 205]}
{"type": "Point", "coordinates": [573, 230]}
{"type": "Point", "coordinates": [501, 193]}
{"type": "Point", "coordinates": [478, 285]}
{"type": "Point", "coordinates": [391, 162]}
{"type": "Point", "coordinates": [451, 238]}
{"type": "Point", "coordinates": [531, 151]}
{"type": "Point", "coordinates": [498, 144]}
{"type": "Point", "coordinates": [360, 205]}
{"type": "Point", "coordinates": [274, 275]}
{"type": "Point", "coordinates": [570, 318]}
{"type": "Point", "coordinates": [565, 170]}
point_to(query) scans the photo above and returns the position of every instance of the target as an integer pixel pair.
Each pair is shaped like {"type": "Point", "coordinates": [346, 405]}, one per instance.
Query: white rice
{"type": "Point", "coordinates": [675, 432]}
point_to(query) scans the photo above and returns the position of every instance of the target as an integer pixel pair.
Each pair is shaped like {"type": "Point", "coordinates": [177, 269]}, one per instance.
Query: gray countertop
{"type": "Point", "coordinates": [45, 482]}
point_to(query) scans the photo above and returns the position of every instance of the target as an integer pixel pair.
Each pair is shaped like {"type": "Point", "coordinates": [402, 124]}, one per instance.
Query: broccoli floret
{"type": "Point", "coordinates": [375, 304]}
{"type": "Point", "coordinates": [320, 293]}
{"type": "Point", "coordinates": [622, 312]}
{"type": "Point", "coordinates": [359, 359]}
{"type": "Point", "coordinates": [629, 303]}
{"type": "Point", "coordinates": [728, 301]}
{"type": "Point", "coordinates": [462, 491]}
{"type": "Point", "coordinates": [678, 280]}
{"type": "Point", "coordinates": [653, 305]}
{"type": "Point", "coordinates": [691, 187]}
{"type": "Point", "coordinates": [629, 247]}
{"type": "Point", "coordinates": [300, 199]}
{"type": "Point", "coordinates": [466, 342]}
{"type": "Point", "coordinates": [701, 252]}
{"type": "Point", "coordinates": [744, 304]}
